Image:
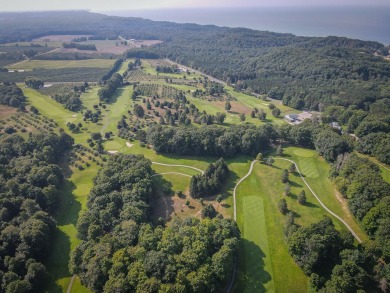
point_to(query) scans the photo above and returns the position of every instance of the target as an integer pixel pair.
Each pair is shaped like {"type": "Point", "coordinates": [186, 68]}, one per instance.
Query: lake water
{"type": "Point", "coordinates": [365, 23]}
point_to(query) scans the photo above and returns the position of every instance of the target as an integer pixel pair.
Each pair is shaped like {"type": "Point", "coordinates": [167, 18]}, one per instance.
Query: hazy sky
{"type": "Point", "coordinates": [99, 5]}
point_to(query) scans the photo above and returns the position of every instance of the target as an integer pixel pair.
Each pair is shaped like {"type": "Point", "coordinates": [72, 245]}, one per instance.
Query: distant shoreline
{"type": "Point", "coordinates": [364, 23]}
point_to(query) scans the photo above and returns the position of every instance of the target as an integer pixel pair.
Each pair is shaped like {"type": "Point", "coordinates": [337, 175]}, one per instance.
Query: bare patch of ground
{"type": "Point", "coordinates": [6, 111]}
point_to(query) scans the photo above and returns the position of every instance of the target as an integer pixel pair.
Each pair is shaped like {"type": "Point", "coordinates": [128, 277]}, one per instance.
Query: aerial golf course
{"type": "Point", "coordinates": [264, 264]}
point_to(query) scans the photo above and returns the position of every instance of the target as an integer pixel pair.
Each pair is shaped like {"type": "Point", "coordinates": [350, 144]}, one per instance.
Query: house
{"type": "Point", "coordinates": [335, 125]}
{"type": "Point", "coordinates": [291, 117]}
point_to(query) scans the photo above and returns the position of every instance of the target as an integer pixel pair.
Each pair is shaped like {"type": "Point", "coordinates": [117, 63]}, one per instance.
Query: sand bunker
{"type": "Point", "coordinates": [112, 152]}
{"type": "Point", "coordinates": [129, 144]}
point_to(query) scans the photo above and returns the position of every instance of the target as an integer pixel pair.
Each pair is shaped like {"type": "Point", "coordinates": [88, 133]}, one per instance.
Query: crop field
{"type": "Point", "coordinates": [75, 74]}
{"type": "Point", "coordinates": [49, 64]}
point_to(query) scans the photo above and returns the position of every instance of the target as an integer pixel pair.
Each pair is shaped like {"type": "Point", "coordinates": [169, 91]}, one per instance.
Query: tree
{"type": "Point", "coordinates": [282, 206]}
{"type": "Point", "coordinates": [96, 136]}
{"type": "Point", "coordinates": [219, 198]}
{"type": "Point", "coordinates": [279, 151]}
{"type": "Point", "coordinates": [302, 197]}
{"type": "Point", "coordinates": [284, 176]}
{"type": "Point", "coordinates": [261, 115]}
{"type": "Point", "coordinates": [287, 189]}
{"type": "Point", "coordinates": [34, 82]}
{"type": "Point", "coordinates": [208, 211]}
{"type": "Point", "coordinates": [269, 161]}
{"type": "Point", "coordinates": [139, 111]}
{"type": "Point", "coordinates": [242, 117]}
{"type": "Point", "coordinates": [276, 112]}
{"type": "Point", "coordinates": [259, 157]}
{"type": "Point", "coordinates": [292, 168]}
{"type": "Point", "coordinates": [228, 106]}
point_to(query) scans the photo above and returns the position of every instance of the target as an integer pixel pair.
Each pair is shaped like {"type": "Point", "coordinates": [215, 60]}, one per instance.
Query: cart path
{"type": "Point", "coordinates": [173, 165]}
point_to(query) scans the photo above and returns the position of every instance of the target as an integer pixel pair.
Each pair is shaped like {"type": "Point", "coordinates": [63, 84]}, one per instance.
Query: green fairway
{"type": "Point", "coordinates": [50, 64]}
{"type": "Point", "coordinates": [316, 172]}
{"type": "Point", "coordinates": [72, 201]}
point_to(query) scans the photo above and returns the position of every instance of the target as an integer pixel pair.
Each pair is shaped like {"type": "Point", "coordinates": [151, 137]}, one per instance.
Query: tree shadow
{"type": "Point", "coordinates": [294, 184]}
{"type": "Point", "coordinates": [69, 207]}
{"type": "Point", "coordinates": [252, 275]}
{"type": "Point", "coordinates": [310, 205]}
{"type": "Point", "coordinates": [162, 204]}
{"type": "Point", "coordinates": [57, 263]}
{"type": "Point", "coordinates": [116, 95]}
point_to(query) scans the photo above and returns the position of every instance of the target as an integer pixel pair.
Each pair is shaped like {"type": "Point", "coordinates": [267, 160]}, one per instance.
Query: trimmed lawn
{"type": "Point", "coordinates": [316, 172]}
{"type": "Point", "coordinates": [72, 201]}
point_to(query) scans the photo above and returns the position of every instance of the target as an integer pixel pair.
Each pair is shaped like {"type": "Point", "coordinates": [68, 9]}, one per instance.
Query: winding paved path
{"type": "Point", "coordinates": [321, 203]}
{"type": "Point", "coordinates": [185, 166]}
{"type": "Point", "coordinates": [235, 188]}
{"type": "Point", "coordinates": [70, 284]}
{"type": "Point", "coordinates": [159, 174]}
{"type": "Point", "coordinates": [308, 186]}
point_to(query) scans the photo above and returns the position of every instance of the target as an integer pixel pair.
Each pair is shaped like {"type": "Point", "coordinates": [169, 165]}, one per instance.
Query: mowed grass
{"type": "Point", "coordinates": [72, 202]}
{"type": "Point", "coordinates": [55, 64]}
{"type": "Point", "coordinates": [316, 172]}
{"type": "Point", "coordinates": [265, 264]}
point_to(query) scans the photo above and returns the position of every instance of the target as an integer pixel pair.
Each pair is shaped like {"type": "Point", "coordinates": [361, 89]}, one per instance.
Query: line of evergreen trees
{"type": "Point", "coordinates": [105, 93]}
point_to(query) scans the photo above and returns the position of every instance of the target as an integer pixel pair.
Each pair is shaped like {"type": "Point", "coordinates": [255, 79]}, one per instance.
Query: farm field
{"type": "Point", "coordinates": [50, 64]}
{"type": "Point", "coordinates": [264, 264]}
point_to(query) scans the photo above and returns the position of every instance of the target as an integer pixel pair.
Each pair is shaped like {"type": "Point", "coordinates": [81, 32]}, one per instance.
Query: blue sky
{"type": "Point", "coordinates": [99, 5]}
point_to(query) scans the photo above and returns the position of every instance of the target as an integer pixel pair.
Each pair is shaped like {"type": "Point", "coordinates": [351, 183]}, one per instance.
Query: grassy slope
{"type": "Point", "coordinates": [50, 64]}
{"type": "Point", "coordinates": [265, 264]}
{"type": "Point", "coordinates": [73, 201]}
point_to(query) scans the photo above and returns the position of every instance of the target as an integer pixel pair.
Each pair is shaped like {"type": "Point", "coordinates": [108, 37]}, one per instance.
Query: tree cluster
{"type": "Point", "coordinates": [11, 95]}
{"type": "Point", "coordinates": [75, 45]}
{"type": "Point", "coordinates": [211, 140]}
{"type": "Point", "coordinates": [211, 181]}
{"type": "Point", "coordinates": [120, 250]}
{"type": "Point", "coordinates": [106, 92]}
{"type": "Point", "coordinates": [71, 101]}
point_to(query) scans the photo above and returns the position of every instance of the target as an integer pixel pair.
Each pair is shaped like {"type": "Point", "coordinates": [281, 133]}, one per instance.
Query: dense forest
{"type": "Point", "coordinates": [29, 182]}
{"type": "Point", "coordinates": [11, 95]}
{"type": "Point", "coordinates": [308, 72]}
{"type": "Point", "coordinates": [120, 249]}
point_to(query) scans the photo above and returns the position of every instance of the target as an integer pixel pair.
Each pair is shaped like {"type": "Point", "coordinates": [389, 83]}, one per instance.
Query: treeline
{"type": "Point", "coordinates": [11, 95]}
{"type": "Point", "coordinates": [211, 181]}
{"type": "Point", "coordinates": [114, 68]}
{"type": "Point", "coordinates": [29, 183]}
{"type": "Point", "coordinates": [190, 255]}
{"type": "Point", "coordinates": [71, 101]}
{"type": "Point", "coordinates": [211, 140]}
{"type": "Point", "coordinates": [86, 47]}
{"type": "Point", "coordinates": [331, 260]}
{"type": "Point", "coordinates": [105, 93]}
{"type": "Point", "coordinates": [371, 125]}
{"type": "Point", "coordinates": [361, 183]}
{"type": "Point", "coordinates": [167, 69]}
